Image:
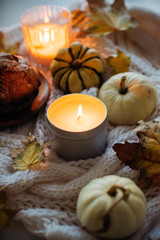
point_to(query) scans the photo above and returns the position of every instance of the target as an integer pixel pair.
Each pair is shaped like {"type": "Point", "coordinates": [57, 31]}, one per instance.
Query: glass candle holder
{"type": "Point", "coordinates": [46, 29]}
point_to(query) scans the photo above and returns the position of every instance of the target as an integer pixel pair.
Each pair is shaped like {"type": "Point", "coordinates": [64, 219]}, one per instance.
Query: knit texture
{"type": "Point", "coordinates": [46, 204]}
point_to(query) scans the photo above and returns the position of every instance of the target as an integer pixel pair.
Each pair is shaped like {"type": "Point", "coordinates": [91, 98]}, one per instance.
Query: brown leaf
{"type": "Point", "coordinates": [94, 3]}
{"type": "Point", "coordinates": [102, 19]}
{"type": "Point", "coordinates": [144, 155]}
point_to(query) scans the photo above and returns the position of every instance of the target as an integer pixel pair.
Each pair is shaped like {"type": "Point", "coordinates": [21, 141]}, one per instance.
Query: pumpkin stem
{"type": "Point", "coordinates": [113, 191]}
{"type": "Point", "coordinates": [123, 90]}
{"type": "Point", "coordinates": [76, 63]}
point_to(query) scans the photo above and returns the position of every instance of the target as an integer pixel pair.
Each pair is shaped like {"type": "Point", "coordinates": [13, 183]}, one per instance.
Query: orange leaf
{"type": "Point", "coordinates": [144, 155]}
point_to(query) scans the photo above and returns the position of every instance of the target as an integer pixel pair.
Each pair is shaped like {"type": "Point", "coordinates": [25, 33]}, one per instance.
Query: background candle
{"type": "Point", "coordinates": [78, 137]}
{"type": "Point", "coordinates": [46, 29]}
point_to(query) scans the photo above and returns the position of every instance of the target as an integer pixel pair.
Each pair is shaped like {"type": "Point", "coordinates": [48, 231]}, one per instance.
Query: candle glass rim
{"type": "Point", "coordinates": [25, 13]}
{"type": "Point", "coordinates": [76, 134]}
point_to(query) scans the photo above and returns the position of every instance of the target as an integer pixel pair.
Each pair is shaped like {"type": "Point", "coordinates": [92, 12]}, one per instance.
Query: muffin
{"type": "Point", "coordinates": [19, 83]}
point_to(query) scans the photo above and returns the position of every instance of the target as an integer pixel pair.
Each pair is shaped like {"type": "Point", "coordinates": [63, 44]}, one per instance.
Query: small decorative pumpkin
{"type": "Point", "coordinates": [129, 97]}
{"type": "Point", "coordinates": [76, 68]}
{"type": "Point", "coordinates": [112, 207]}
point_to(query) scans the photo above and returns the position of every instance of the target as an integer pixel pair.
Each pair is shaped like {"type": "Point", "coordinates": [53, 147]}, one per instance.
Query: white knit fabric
{"type": "Point", "coordinates": [46, 204]}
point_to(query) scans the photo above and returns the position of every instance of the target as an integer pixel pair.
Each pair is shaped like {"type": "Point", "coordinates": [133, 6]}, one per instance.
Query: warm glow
{"type": "Point", "coordinates": [79, 113]}
{"type": "Point", "coordinates": [66, 112]}
{"type": "Point", "coordinates": [48, 33]}
{"type": "Point", "coordinates": [52, 35]}
{"type": "Point", "coordinates": [46, 19]}
{"type": "Point", "coordinates": [46, 36]}
{"type": "Point", "coordinates": [46, 40]}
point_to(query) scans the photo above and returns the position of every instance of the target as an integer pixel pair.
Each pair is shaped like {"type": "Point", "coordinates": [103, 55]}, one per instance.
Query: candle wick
{"type": "Point", "coordinates": [79, 113]}
{"type": "Point", "coordinates": [78, 117]}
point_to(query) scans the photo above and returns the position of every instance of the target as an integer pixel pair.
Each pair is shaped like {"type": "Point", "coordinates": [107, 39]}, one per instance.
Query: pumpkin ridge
{"type": "Point", "coordinates": [72, 59]}
{"type": "Point", "coordinates": [61, 60]}
{"type": "Point", "coordinates": [84, 52]}
{"type": "Point", "coordinates": [80, 77]}
{"type": "Point", "coordinates": [94, 70]}
{"type": "Point", "coordinates": [67, 82]}
{"type": "Point", "coordinates": [79, 52]}
{"type": "Point", "coordinates": [70, 51]}
{"type": "Point", "coordinates": [58, 70]}
{"type": "Point", "coordinates": [91, 58]}
{"type": "Point", "coordinates": [61, 77]}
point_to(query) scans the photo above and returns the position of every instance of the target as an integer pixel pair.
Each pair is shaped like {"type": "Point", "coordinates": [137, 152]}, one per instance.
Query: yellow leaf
{"type": "Point", "coordinates": [144, 155]}
{"type": "Point", "coordinates": [120, 63]}
{"type": "Point", "coordinates": [102, 19]}
{"type": "Point", "coordinates": [30, 155]}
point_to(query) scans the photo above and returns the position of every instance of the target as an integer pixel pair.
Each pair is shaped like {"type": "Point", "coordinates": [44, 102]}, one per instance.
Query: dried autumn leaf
{"type": "Point", "coordinates": [144, 155]}
{"type": "Point", "coordinates": [102, 19]}
{"type": "Point", "coordinates": [94, 3]}
{"type": "Point", "coordinates": [119, 63]}
{"type": "Point", "coordinates": [31, 155]}
{"type": "Point", "coordinates": [13, 49]}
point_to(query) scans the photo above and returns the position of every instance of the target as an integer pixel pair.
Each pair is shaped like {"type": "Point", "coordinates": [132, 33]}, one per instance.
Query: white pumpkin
{"type": "Point", "coordinates": [129, 97]}
{"type": "Point", "coordinates": [112, 207]}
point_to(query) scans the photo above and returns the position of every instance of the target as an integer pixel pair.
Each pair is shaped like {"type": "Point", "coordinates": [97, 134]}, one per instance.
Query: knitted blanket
{"type": "Point", "coordinates": [46, 204]}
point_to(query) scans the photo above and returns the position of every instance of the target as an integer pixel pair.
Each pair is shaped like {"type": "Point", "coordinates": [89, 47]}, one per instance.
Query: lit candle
{"type": "Point", "coordinates": [79, 123]}
{"type": "Point", "coordinates": [46, 30]}
{"type": "Point", "coordinates": [79, 113]}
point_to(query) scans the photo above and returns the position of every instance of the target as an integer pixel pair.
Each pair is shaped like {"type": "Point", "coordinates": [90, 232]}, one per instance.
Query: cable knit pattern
{"type": "Point", "coordinates": [46, 204]}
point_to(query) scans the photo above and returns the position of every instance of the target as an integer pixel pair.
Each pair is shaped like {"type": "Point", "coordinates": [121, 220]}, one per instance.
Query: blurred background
{"type": "Point", "coordinates": [11, 10]}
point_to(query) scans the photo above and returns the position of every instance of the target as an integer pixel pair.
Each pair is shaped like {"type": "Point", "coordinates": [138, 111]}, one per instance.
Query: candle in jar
{"type": "Point", "coordinates": [79, 121]}
{"type": "Point", "coordinates": [45, 36]}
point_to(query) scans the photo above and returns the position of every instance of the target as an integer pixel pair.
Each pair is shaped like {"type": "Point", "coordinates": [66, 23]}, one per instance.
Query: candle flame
{"type": "Point", "coordinates": [79, 113]}
{"type": "Point", "coordinates": [46, 19]}
{"type": "Point", "coordinates": [46, 36]}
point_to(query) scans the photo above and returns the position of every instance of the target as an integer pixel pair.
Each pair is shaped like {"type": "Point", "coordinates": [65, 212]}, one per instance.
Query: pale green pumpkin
{"type": "Point", "coordinates": [111, 207]}
{"type": "Point", "coordinates": [129, 97]}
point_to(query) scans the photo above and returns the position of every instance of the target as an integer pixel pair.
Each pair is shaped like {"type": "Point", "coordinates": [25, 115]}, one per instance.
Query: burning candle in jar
{"type": "Point", "coordinates": [79, 123]}
{"type": "Point", "coordinates": [46, 29]}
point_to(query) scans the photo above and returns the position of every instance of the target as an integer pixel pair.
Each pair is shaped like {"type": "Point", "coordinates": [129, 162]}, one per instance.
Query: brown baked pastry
{"type": "Point", "coordinates": [19, 83]}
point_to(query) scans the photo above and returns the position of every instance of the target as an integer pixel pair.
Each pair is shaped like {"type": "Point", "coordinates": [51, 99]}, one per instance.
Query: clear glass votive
{"type": "Point", "coordinates": [46, 29]}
